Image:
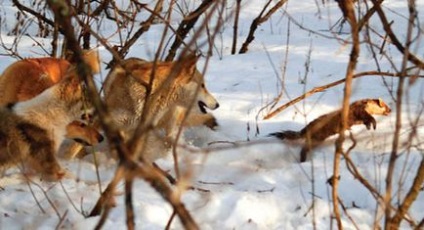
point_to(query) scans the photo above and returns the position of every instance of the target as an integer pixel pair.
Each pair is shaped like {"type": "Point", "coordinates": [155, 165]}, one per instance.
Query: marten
{"type": "Point", "coordinates": [329, 124]}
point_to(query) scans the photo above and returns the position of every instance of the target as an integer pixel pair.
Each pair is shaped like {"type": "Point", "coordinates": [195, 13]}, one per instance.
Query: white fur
{"type": "Point", "coordinates": [202, 95]}
{"type": "Point", "coordinates": [50, 113]}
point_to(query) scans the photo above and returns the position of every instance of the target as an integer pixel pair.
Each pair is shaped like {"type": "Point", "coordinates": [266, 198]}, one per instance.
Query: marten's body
{"type": "Point", "coordinates": [360, 112]}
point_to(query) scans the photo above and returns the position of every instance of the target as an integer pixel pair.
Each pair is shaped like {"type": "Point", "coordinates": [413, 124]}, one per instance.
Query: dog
{"type": "Point", "coordinates": [167, 90]}
{"type": "Point", "coordinates": [126, 86]}
{"type": "Point", "coordinates": [83, 133]}
{"type": "Point", "coordinates": [25, 79]}
{"type": "Point", "coordinates": [34, 129]}
{"type": "Point", "coordinates": [360, 112]}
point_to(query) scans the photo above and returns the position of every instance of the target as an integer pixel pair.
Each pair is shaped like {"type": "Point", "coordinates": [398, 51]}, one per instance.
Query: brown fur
{"type": "Point", "coordinates": [27, 78]}
{"type": "Point", "coordinates": [360, 112]}
{"type": "Point", "coordinates": [27, 143]}
{"type": "Point", "coordinates": [31, 131]}
{"type": "Point", "coordinates": [126, 87]}
{"type": "Point", "coordinates": [156, 142]}
{"type": "Point", "coordinates": [83, 133]}
{"type": "Point", "coordinates": [172, 90]}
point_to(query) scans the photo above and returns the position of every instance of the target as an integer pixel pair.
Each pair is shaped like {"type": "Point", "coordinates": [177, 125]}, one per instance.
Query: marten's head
{"type": "Point", "coordinates": [377, 107]}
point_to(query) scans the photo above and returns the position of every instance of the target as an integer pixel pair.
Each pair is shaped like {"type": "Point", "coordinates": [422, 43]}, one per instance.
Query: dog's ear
{"type": "Point", "coordinates": [189, 63]}
{"type": "Point", "coordinates": [92, 59]}
{"type": "Point", "coordinates": [188, 68]}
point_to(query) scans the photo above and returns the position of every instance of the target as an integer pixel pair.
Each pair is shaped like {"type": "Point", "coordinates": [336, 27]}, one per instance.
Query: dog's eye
{"type": "Point", "coordinates": [203, 85]}
{"type": "Point", "coordinates": [86, 117]}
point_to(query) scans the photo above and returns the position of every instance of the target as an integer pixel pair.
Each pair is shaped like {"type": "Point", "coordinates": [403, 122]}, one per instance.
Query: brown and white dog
{"type": "Point", "coordinates": [31, 131]}
{"type": "Point", "coordinates": [27, 78]}
{"type": "Point", "coordinates": [166, 90]}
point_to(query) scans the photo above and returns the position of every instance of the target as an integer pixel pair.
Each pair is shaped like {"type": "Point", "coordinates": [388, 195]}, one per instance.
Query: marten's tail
{"type": "Point", "coordinates": [288, 134]}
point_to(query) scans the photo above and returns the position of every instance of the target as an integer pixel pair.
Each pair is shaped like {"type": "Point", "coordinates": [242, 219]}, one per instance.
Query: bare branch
{"type": "Point", "coordinates": [127, 166]}
{"type": "Point", "coordinates": [348, 10]}
{"type": "Point", "coordinates": [324, 87]}
{"type": "Point", "coordinates": [185, 26]}
{"type": "Point", "coordinates": [235, 27]}
{"type": "Point", "coordinates": [399, 96]}
{"type": "Point", "coordinates": [410, 197]}
{"type": "Point", "coordinates": [386, 24]}
{"type": "Point", "coordinates": [258, 21]}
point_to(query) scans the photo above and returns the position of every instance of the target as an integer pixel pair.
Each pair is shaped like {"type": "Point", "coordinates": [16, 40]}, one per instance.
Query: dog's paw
{"type": "Point", "coordinates": [211, 123]}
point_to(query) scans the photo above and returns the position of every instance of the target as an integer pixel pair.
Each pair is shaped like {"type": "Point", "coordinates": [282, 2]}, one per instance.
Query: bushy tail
{"type": "Point", "coordinates": [288, 134]}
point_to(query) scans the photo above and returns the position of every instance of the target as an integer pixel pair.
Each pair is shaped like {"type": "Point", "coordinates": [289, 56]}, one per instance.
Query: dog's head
{"type": "Point", "coordinates": [83, 133]}
{"type": "Point", "coordinates": [179, 79]}
{"type": "Point", "coordinates": [193, 82]}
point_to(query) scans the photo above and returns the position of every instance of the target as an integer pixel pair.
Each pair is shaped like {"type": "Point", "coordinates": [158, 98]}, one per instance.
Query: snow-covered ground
{"type": "Point", "coordinates": [254, 181]}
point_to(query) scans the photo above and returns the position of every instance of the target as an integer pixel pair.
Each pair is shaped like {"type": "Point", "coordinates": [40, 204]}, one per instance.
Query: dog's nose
{"type": "Point", "coordinates": [217, 105]}
{"type": "Point", "coordinates": [100, 138]}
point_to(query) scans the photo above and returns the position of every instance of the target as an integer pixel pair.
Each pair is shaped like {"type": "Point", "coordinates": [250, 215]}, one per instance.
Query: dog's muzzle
{"type": "Point", "coordinates": [81, 141]}
{"type": "Point", "coordinates": [100, 138]}
{"type": "Point", "coordinates": [202, 107]}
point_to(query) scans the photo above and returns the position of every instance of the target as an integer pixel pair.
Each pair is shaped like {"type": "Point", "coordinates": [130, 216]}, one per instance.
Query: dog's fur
{"type": "Point", "coordinates": [360, 112]}
{"type": "Point", "coordinates": [34, 129]}
{"type": "Point", "coordinates": [83, 133]}
{"type": "Point", "coordinates": [174, 86]}
{"type": "Point", "coordinates": [158, 140]}
{"type": "Point", "coordinates": [126, 86]}
{"type": "Point", "coordinates": [25, 142]}
{"type": "Point", "coordinates": [27, 78]}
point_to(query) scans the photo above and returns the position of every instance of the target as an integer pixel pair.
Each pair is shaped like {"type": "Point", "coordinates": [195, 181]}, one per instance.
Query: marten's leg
{"type": "Point", "coordinates": [368, 120]}
{"type": "Point", "coordinates": [310, 144]}
{"type": "Point", "coordinates": [304, 153]}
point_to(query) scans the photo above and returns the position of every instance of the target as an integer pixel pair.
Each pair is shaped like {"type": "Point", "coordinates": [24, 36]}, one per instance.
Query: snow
{"type": "Point", "coordinates": [254, 182]}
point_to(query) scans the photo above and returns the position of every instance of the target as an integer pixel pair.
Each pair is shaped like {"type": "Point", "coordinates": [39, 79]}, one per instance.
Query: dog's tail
{"type": "Point", "coordinates": [288, 134]}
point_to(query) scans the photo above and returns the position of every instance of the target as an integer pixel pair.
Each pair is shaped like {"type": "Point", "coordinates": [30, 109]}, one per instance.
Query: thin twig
{"type": "Point", "coordinates": [324, 87]}
{"type": "Point", "coordinates": [258, 21]}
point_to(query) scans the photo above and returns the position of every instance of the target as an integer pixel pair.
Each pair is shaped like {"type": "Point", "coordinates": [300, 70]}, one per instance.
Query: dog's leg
{"type": "Point", "coordinates": [196, 119]}
{"type": "Point", "coordinates": [74, 150]}
{"type": "Point", "coordinates": [44, 161]}
{"type": "Point", "coordinates": [176, 121]}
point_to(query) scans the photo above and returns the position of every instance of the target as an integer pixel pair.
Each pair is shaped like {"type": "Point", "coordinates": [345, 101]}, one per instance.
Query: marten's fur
{"type": "Point", "coordinates": [329, 124]}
